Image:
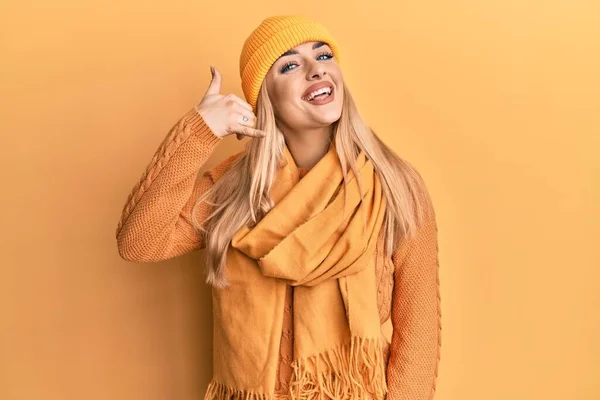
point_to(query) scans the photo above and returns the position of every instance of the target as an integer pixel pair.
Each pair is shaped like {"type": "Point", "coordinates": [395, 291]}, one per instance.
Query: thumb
{"type": "Point", "coordinates": [215, 83]}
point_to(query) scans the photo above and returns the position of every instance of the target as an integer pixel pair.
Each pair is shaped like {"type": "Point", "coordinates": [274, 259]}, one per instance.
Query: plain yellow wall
{"type": "Point", "coordinates": [497, 103]}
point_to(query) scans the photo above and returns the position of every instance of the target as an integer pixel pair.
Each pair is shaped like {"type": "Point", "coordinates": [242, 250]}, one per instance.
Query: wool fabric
{"type": "Point", "coordinates": [273, 37]}
{"type": "Point", "coordinates": [325, 249]}
{"type": "Point", "coordinates": [156, 225]}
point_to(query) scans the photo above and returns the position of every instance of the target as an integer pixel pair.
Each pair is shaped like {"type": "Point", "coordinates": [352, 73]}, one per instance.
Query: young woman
{"type": "Point", "coordinates": [320, 242]}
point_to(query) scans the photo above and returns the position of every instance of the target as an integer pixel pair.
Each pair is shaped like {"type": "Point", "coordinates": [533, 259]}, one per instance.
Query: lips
{"type": "Point", "coordinates": [316, 86]}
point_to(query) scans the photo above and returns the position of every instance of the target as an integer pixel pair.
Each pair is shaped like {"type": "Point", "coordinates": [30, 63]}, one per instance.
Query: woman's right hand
{"type": "Point", "coordinates": [224, 114]}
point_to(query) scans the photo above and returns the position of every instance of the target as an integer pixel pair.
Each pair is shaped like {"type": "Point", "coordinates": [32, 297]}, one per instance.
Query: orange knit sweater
{"type": "Point", "coordinates": [155, 225]}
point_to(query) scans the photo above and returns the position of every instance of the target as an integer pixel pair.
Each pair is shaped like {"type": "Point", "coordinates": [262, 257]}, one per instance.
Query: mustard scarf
{"type": "Point", "coordinates": [302, 242]}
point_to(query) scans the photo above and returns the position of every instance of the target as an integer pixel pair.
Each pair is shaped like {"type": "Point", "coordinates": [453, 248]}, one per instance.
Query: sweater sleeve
{"type": "Point", "coordinates": [416, 314]}
{"type": "Point", "coordinates": [156, 222]}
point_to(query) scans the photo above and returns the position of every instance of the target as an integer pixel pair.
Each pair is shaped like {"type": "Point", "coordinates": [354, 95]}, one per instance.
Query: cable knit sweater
{"type": "Point", "coordinates": [156, 225]}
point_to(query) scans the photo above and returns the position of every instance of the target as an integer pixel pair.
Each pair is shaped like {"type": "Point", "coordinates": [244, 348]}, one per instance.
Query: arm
{"type": "Point", "coordinates": [156, 221]}
{"type": "Point", "coordinates": [416, 313]}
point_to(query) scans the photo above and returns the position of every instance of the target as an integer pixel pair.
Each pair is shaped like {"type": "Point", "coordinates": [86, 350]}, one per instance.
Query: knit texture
{"type": "Point", "coordinates": [155, 225]}
{"type": "Point", "coordinates": [273, 37]}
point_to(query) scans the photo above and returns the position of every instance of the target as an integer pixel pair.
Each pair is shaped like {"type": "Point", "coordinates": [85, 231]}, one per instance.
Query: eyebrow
{"type": "Point", "coordinates": [290, 52]}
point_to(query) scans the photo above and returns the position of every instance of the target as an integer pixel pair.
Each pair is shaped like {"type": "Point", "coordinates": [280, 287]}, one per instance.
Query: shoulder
{"type": "Point", "coordinates": [420, 240]}
{"type": "Point", "coordinates": [221, 169]}
{"type": "Point", "coordinates": [422, 197]}
{"type": "Point", "coordinates": [417, 193]}
{"type": "Point", "coordinates": [409, 185]}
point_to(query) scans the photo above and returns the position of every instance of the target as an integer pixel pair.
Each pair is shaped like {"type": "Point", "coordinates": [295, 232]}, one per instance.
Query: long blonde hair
{"type": "Point", "coordinates": [242, 195]}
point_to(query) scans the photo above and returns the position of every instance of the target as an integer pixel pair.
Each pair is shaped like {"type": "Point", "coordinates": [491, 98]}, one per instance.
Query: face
{"type": "Point", "coordinates": [298, 84]}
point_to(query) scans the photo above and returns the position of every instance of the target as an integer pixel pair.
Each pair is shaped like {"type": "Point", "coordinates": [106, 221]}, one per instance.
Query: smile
{"type": "Point", "coordinates": [319, 94]}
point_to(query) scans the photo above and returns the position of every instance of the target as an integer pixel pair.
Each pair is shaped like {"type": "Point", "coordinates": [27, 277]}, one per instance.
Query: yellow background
{"type": "Point", "coordinates": [495, 102]}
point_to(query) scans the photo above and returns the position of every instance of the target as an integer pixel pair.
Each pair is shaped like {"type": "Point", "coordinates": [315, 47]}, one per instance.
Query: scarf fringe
{"type": "Point", "coordinates": [355, 371]}
{"type": "Point", "coordinates": [218, 391]}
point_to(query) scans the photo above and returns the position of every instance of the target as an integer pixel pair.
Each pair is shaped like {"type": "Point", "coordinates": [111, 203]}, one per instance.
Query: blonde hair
{"type": "Point", "coordinates": [242, 195]}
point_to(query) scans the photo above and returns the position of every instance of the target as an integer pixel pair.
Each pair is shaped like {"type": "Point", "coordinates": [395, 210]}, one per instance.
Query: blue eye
{"type": "Point", "coordinates": [286, 67]}
{"type": "Point", "coordinates": [328, 55]}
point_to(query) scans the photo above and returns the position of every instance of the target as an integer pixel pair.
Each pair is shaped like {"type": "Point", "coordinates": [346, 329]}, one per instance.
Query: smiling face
{"type": "Point", "coordinates": [306, 87]}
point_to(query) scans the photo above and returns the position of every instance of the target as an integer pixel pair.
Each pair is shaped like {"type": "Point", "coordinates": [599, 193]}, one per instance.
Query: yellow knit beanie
{"type": "Point", "coordinates": [273, 37]}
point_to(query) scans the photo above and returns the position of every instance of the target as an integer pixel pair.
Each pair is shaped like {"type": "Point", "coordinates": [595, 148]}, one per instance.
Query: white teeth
{"type": "Point", "coordinates": [318, 92]}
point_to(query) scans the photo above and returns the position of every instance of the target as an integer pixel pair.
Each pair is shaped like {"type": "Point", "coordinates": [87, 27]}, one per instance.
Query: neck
{"type": "Point", "coordinates": [308, 146]}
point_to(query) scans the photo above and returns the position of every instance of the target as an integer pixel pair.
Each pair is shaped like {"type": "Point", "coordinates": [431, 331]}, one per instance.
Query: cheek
{"type": "Point", "coordinates": [285, 97]}
{"type": "Point", "coordinates": [288, 92]}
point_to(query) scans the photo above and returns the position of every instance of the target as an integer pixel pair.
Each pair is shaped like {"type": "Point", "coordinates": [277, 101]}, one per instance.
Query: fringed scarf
{"type": "Point", "coordinates": [303, 242]}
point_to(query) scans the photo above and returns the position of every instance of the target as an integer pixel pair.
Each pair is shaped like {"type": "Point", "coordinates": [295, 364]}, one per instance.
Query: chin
{"type": "Point", "coordinates": [329, 118]}
{"type": "Point", "coordinates": [326, 114]}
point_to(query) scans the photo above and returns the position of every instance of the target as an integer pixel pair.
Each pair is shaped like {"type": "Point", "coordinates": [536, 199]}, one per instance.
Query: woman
{"type": "Point", "coordinates": [319, 239]}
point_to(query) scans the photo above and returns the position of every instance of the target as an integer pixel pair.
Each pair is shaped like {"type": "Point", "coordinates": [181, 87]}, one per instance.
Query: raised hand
{"type": "Point", "coordinates": [227, 114]}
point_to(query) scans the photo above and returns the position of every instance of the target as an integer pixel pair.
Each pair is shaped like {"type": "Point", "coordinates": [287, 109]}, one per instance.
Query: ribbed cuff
{"type": "Point", "coordinates": [199, 128]}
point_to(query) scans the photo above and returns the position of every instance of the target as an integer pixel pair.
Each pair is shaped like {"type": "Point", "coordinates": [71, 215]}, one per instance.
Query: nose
{"type": "Point", "coordinates": [316, 69]}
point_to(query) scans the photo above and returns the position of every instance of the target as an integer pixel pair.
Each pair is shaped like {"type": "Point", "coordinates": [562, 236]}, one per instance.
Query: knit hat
{"type": "Point", "coordinates": [273, 37]}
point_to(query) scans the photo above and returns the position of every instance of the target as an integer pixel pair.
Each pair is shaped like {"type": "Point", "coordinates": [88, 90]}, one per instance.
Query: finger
{"type": "Point", "coordinates": [250, 119]}
{"type": "Point", "coordinates": [247, 131]}
{"type": "Point", "coordinates": [215, 83]}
